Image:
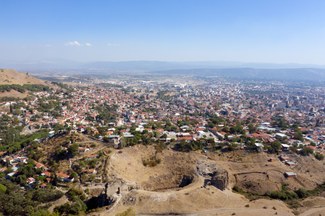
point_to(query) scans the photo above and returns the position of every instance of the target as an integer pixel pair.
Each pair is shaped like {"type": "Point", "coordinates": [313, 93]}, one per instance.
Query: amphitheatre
{"type": "Point", "coordinates": [198, 183]}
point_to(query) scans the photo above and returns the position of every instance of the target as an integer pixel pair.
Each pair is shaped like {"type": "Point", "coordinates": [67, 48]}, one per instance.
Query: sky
{"type": "Point", "coordinates": [269, 31]}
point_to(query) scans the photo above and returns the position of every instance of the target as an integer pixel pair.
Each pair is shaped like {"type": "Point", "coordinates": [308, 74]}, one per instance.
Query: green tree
{"type": "Point", "coordinates": [274, 147]}
{"type": "Point", "coordinates": [306, 151]}
{"type": "Point", "coordinates": [46, 195]}
{"type": "Point", "coordinates": [3, 188]}
{"type": "Point", "coordinates": [319, 156]}
{"type": "Point", "coordinates": [298, 135]}
{"type": "Point", "coordinates": [252, 128]}
{"type": "Point", "coordinates": [73, 149]}
{"type": "Point", "coordinates": [237, 129]}
{"type": "Point", "coordinates": [280, 121]}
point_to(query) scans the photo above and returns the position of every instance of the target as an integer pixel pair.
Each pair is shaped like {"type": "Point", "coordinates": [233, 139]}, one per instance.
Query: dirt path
{"type": "Point", "coordinates": [240, 211]}
{"type": "Point", "coordinates": [316, 211]}
{"type": "Point", "coordinates": [58, 202]}
{"type": "Point", "coordinates": [197, 183]}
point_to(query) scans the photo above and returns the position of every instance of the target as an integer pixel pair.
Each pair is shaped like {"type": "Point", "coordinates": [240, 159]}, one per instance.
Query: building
{"type": "Point", "coordinates": [290, 174]}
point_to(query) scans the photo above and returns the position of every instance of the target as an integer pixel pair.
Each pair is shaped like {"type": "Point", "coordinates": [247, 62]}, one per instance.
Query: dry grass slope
{"type": "Point", "coordinates": [12, 77]}
{"type": "Point", "coordinates": [9, 77]}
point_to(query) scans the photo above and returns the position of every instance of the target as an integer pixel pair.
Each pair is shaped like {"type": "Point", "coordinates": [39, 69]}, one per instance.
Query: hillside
{"type": "Point", "coordinates": [10, 77]}
{"type": "Point", "coordinates": [15, 85]}
{"type": "Point", "coordinates": [187, 183]}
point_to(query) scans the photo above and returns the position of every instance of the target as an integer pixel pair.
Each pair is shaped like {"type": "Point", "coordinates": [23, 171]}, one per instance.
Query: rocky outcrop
{"type": "Point", "coordinates": [220, 179]}
{"type": "Point", "coordinates": [213, 174]}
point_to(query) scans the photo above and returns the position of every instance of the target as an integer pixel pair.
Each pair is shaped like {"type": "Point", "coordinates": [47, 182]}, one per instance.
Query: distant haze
{"type": "Point", "coordinates": [256, 71]}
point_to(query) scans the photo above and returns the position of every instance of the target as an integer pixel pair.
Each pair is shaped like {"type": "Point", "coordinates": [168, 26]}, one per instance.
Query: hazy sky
{"type": "Point", "coordinates": [275, 31]}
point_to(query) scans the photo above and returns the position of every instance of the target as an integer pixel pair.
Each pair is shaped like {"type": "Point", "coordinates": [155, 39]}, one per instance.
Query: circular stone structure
{"type": "Point", "coordinates": [175, 170]}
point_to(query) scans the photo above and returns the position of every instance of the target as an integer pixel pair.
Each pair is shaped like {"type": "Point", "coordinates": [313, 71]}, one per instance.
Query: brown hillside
{"type": "Point", "coordinates": [9, 76]}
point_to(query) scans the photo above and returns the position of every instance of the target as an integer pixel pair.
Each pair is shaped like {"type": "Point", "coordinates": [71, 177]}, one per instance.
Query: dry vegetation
{"type": "Point", "coordinates": [14, 94]}
{"type": "Point", "coordinates": [8, 77]}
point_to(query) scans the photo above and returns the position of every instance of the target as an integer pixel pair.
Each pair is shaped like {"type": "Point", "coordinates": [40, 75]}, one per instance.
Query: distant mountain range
{"type": "Point", "coordinates": [293, 74]}
{"type": "Point", "coordinates": [222, 69]}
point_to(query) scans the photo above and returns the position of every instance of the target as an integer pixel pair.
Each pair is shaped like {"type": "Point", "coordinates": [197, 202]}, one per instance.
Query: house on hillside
{"type": "Point", "coordinates": [290, 174]}
{"type": "Point", "coordinates": [285, 147]}
{"type": "Point", "coordinates": [259, 147]}
{"type": "Point", "coordinates": [63, 177]}
{"type": "Point", "coordinates": [114, 139]}
{"type": "Point", "coordinates": [281, 136]}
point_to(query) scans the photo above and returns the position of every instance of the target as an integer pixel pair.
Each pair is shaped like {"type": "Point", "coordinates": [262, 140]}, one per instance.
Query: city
{"type": "Point", "coordinates": [64, 136]}
{"type": "Point", "coordinates": [162, 108]}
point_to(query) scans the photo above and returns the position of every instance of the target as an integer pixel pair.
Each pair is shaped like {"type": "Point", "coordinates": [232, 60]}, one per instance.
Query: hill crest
{"type": "Point", "coordinates": [10, 77]}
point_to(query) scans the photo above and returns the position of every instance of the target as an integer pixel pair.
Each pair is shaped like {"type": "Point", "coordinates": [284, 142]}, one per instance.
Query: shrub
{"type": "Point", "coordinates": [43, 212]}
{"type": "Point", "coordinates": [302, 193]}
{"type": "Point", "coordinates": [74, 193]}
{"type": "Point", "coordinates": [75, 208]}
{"type": "Point", "coordinates": [306, 151]}
{"type": "Point", "coordinates": [319, 156]}
{"type": "Point", "coordinates": [46, 195]}
{"type": "Point", "coordinates": [237, 189]}
{"type": "Point", "coordinates": [283, 195]}
{"type": "Point", "coordinates": [128, 212]}
{"type": "Point", "coordinates": [3, 188]}
{"type": "Point", "coordinates": [151, 162]}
